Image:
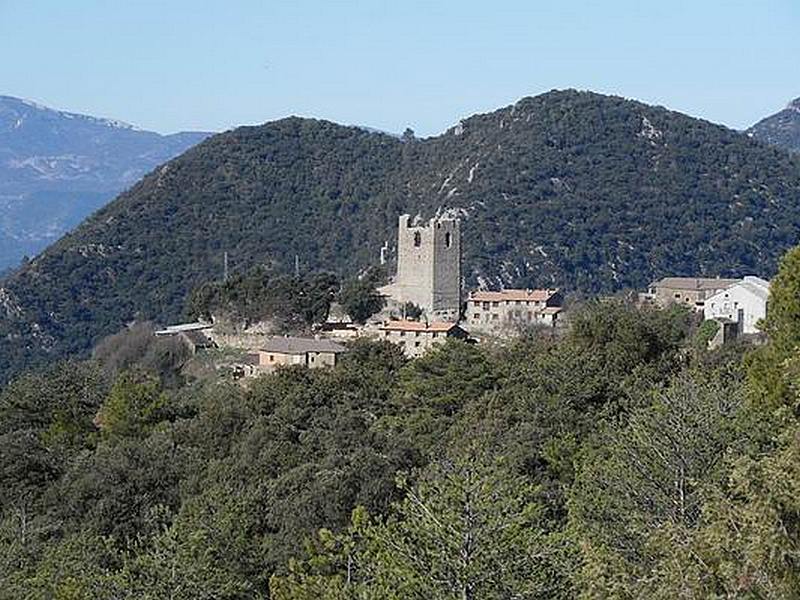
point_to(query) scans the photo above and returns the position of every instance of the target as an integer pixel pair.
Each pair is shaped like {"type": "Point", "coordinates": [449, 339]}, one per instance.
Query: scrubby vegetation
{"type": "Point", "coordinates": [568, 189]}
{"type": "Point", "coordinates": [621, 460]}
{"type": "Point", "coordinates": [781, 129]}
{"type": "Point", "coordinates": [290, 303]}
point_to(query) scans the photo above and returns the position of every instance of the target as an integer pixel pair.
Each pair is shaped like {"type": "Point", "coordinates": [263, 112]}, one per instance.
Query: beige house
{"type": "Point", "coordinates": [687, 291]}
{"type": "Point", "coordinates": [508, 310]}
{"type": "Point", "coordinates": [284, 351]}
{"type": "Point", "coordinates": [416, 337]}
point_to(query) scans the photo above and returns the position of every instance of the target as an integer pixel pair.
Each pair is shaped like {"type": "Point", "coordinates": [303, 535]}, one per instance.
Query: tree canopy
{"type": "Point", "coordinates": [619, 460]}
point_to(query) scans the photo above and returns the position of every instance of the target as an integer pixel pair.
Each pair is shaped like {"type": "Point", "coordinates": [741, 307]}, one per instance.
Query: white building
{"type": "Point", "coordinates": [744, 302]}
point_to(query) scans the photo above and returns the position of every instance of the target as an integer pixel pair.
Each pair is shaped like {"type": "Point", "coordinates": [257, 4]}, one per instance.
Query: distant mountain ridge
{"type": "Point", "coordinates": [568, 189]}
{"type": "Point", "coordinates": [57, 167]}
{"type": "Point", "coordinates": [781, 129]}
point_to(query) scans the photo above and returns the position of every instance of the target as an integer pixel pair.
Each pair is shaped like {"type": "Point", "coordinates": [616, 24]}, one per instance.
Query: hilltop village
{"type": "Point", "coordinates": [424, 305]}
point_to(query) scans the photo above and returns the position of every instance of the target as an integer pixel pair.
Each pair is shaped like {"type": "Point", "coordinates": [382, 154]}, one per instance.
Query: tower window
{"type": "Point", "coordinates": [417, 238]}
{"type": "Point", "coordinates": [448, 239]}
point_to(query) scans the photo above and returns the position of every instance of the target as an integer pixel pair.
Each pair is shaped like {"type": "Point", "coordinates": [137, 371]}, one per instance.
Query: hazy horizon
{"type": "Point", "coordinates": [174, 67]}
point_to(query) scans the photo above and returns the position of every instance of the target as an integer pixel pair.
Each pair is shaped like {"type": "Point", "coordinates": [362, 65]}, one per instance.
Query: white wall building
{"type": "Point", "coordinates": [745, 302]}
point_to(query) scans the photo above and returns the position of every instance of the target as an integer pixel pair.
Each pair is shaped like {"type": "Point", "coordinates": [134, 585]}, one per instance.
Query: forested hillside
{"type": "Point", "coordinates": [568, 189]}
{"type": "Point", "coordinates": [622, 460]}
{"type": "Point", "coordinates": [781, 129]}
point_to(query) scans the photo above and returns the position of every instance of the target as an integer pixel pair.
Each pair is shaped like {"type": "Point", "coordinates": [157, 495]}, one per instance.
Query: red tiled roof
{"type": "Point", "coordinates": [526, 295]}
{"type": "Point", "coordinates": [417, 326]}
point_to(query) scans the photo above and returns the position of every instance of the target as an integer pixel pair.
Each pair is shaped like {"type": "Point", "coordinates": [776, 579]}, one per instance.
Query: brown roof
{"type": "Point", "coordinates": [527, 295]}
{"type": "Point", "coordinates": [417, 326]}
{"type": "Point", "coordinates": [694, 283]}
{"type": "Point", "coordinates": [299, 345]}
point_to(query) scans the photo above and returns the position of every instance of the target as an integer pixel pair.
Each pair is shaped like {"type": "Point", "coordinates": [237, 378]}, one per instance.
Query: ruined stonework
{"type": "Point", "coordinates": [429, 267]}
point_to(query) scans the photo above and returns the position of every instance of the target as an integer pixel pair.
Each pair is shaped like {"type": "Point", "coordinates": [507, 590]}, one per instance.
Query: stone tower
{"type": "Point", "coordinates": [429, 267]}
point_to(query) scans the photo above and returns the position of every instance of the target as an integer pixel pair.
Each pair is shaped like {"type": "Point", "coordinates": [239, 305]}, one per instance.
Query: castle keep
{"type": "Point", "coordinates": [428, 267]}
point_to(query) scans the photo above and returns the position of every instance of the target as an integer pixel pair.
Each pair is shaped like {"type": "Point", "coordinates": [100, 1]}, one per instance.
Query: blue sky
{"type": "Point", "coordinates": [175, 64]}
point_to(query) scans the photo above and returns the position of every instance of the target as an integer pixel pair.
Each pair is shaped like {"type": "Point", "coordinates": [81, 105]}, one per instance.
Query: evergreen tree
{"type": "Point", "coordinates": [466, 529]}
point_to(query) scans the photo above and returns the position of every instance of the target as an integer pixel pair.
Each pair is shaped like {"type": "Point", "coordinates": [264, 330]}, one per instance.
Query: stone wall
{"type": "Point", "coordinates": [428, 267]}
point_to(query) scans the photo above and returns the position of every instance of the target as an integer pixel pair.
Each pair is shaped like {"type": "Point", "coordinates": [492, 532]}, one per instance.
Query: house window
{"type": "Point", "coordinates": [416, 334]}
{"type": "Point", "coordinates": [387, 333]}
{"type": "Point", "coordinates": [678, 296]}
{"type": "Point", "coordinates": [485, 306]}
{"type": "Point", "coordinates": [416, 344]}
{"type": "Point", "coordinates": [271, 358]}
{"type": "Point", "coordinates": [435, 334]}
{"type": "Point", "coordinates": [495, 303]}
{"type": "Point", "coordinates": [495, 316]}
{"type": "Point", "coordinates": [402, 334]}
{"type": "Point", "coordinates": [311, 358]}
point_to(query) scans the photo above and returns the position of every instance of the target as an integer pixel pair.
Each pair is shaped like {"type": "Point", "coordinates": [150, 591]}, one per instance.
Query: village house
{"type": "Point", "coordinates": [743, 303]}
{"type": "Point", "coordinates": [687, 291]}
{"type": "Point", "coordinates": [278, 351]}
{"type": "Point", "coordinates": [511, 309]}
{"type": "Point", "coordinates": [341, 331]}
{"type": "Point", "coordinates": [416, 338]}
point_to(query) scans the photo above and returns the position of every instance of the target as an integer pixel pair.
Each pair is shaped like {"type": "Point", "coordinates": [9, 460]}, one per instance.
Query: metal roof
{"type": "Point", "coordinates": [184, 327]}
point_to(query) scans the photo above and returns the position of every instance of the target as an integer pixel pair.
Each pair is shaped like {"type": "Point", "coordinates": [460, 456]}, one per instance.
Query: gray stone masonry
{"type": "Point", "coordinates": [428, 267]}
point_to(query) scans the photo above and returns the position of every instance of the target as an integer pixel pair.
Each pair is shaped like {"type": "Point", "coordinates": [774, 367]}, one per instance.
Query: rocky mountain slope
{"type": "Point", "coordinates": [781, 129]}
{"type": "Point", "coordinates": [58, 167]}
{"type": "Point", "coordinates": [569, 189]}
